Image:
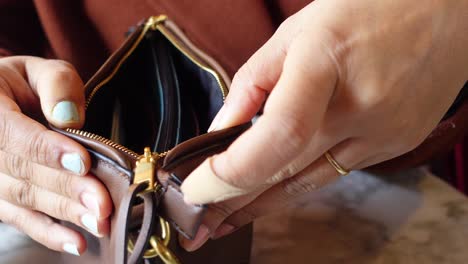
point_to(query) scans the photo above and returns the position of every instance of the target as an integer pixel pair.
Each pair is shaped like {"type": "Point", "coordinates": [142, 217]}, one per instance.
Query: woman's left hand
{"type": "Point", "coordinates": [365, 80]}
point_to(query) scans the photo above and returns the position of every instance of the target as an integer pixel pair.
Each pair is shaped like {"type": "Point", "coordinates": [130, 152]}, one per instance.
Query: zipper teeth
{"type": "Point", "coordinates": [103, 140]}
{"type": "Point", "coordinates": [193, 58]}
{"type": "Point", "coordinates": [153, 24]}
{"type": "Point", "coordinates": [111, 143]}
{"type": "Point", "coordinates": [149, 24]}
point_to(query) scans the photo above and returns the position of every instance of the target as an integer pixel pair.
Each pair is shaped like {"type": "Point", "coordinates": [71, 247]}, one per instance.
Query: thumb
{"type": "Point", "coordinates": [255, 80]}
{"type": "Point", "coordinates": [293, 113]}
{"type": "Point", "coordinates": [60, 90]}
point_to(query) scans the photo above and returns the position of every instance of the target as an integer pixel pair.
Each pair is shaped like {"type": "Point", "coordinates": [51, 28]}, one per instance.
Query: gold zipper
{"type": "Point", "coordinates": [173, 39]}
{"type": "Point", "coordinates": [153, 23]}
{"type": "Point", "coordinates": [103, 140]}
{"type": "Point", "coordinates": [145, 168]}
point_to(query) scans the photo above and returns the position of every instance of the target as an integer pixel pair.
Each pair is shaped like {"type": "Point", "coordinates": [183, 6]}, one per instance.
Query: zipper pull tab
{"type": "Point", "coordinates": [154, 21]}
{"type": "Point", "coordinates": [145, 169]}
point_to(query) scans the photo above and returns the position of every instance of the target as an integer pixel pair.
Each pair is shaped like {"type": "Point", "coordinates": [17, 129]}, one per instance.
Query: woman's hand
{"type": "Point", "coordinates": [43, 175]}
{"type": "Point", "coordinates": [365, 80]}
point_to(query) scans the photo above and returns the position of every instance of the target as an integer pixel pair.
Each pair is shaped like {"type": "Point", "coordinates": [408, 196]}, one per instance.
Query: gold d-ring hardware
{"type": "Point", "coordinates": [145, 172]}
{"type": "Point", "coordinates": [159, 245]}
{"type": "Point", "coordinates": [164, 253]}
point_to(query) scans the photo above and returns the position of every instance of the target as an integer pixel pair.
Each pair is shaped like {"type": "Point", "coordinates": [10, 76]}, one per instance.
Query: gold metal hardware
{"type": "Point", "coordinates": [164, 253]}
{"type": "Point", "coordinates": [146, 164]}
{"type": "Point", "coordinates": [157, 23]}
{"type": "Point", "coordinates": [145, 169]}
{"type": "Point", "coordinates": [165, 239]}
{"type": "Point", "coordinates": [189, 54]}
{"type": "Point", "coordinates": [103, 140]}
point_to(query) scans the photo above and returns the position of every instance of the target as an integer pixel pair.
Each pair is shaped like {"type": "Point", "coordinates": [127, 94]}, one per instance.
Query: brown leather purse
{"type": "Point", "coordinates": [146, 112]}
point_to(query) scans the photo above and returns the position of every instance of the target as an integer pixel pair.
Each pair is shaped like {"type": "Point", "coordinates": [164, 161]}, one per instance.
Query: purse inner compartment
{"type": "Point", "coordinates": [158, 97]}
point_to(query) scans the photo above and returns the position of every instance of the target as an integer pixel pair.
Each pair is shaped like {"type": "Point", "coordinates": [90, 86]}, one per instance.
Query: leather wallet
{"type": "Point", "coordinates": [147, 111]}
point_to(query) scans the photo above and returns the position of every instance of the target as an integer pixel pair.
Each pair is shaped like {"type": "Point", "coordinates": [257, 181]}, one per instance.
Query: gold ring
{"type": "Point", "coordinates": [335, 164]}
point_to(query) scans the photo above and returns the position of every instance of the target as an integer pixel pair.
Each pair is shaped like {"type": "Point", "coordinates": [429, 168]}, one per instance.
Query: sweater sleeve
{"type": "Point", "coordinates": [20, 29]}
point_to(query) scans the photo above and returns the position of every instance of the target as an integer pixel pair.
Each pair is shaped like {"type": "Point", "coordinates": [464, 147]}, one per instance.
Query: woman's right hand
{"type": "Point", "coordinates": [43, 175]}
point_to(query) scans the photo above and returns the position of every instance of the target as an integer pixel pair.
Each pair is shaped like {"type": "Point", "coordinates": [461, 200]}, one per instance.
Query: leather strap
{"type": "Point", "coordinates": [123, 220]}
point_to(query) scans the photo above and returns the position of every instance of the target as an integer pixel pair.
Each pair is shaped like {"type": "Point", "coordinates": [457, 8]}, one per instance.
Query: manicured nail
{"type": "Point", "coordinates": [215, 122]}
{"type": "Point", "coordinates": [203, 186]}
{"type": "Point", "coordinates": [71, 249]}
{"type": "Point", "coordinates": [65, 112]}
{"type": "Point", "coordinates": [72, 162]}
{"type": "Point", "coordinates": [223, 230]}
{"type": "Point", "coordinates": [90, 222]}
{"type": "Point", "coordinates": [89, 201]}
{"type": "Point", "coordinates": [201, 237]}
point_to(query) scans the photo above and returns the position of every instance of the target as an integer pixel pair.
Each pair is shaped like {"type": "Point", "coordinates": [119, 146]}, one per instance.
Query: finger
{"type": "Point", "coordinates": [60, 89]}
{"type": "Point", "coordinates": [292, 114]}
{"type": "Point", "coordinates": [86, 189]}
{"type": "Point", "coordinates": [213, 218]}
{"type": "Point", "coordinates": [319, 174]}
{"type": "Point", "coordinates": [22, 136]}
{"type": "Point", "coordinates": [29, 196]}
{"type": "Point", "coordinates": [255, 79]}
{"type": "Point", "coordinates": [242, 211]}
{"type": "Point", "coordinates": [42, 229]}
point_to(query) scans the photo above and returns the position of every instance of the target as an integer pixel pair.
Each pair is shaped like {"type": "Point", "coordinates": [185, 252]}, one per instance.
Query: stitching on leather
{"type": "Point", "coordinates": [111, 166]}
{"type": "Point", "coordinates": [178, 228]}
{"type": "Point", "coordinates": [173, 222]}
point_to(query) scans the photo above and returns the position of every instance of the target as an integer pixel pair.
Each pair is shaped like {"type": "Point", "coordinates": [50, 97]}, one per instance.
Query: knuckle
{"type": "Point", "coordinates": [23, 193]}
{"type": "Point", "coordinates": [297, 186]}
{"type": "Point", "coordinates": [295, 134]}
{"type": "Point", "coordinates": [222, 209]}
{"type": "Point", "coordinates": [62, 209]}
{"type": "Point", "coordinates": [15, 220]}
{"type": "Point", "coordinates": [64, 183]}
{"type": "Point", "coordinates": [5, 129]}
{"type": "Point", "coordinates": [285, 173]}
{"type": "Point", "coordinates": [63, 71]}
{"type": "Point", "coordinates": [39, 148]}
{"type": "Point", "coordinates": [17, 167]}
{"type": "Point", "coordinates": [44, 236]}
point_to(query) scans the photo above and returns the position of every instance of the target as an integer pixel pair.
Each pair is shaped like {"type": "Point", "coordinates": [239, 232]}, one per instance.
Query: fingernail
{"type": "Point", "coordinates": [90, 202]}
{"type": "Point", "coordinates": [72, 162]}
{"type": "Point", "coordinates": [203, 186]}
{"type": "Point", "coordinates": [65, 112]}
{"type": "Point", "coordinates": [201, 237]}
{"type": "Point", "coordinates": [90, 222]}
{"type": "Point", "coordinates": [71, 249]}
{"type": "Point", "coordinates": [223, 230]}
{"type": "Point", "coordinates": [215, 122]}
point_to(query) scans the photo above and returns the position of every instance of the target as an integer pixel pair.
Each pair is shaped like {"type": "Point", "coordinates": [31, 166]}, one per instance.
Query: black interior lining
{"type": "Point", "coordinates": [157, 98]}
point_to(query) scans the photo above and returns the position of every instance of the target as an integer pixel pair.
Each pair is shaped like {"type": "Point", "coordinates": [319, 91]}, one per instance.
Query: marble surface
{"type": "Point", "coordinates": [410, 217]}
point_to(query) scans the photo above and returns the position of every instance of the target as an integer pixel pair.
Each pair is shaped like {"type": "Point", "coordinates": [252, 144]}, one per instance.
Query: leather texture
{"type": "Point", "coordinates": [150, 93]}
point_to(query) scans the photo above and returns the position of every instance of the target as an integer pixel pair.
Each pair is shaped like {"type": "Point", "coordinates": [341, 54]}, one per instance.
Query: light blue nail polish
{"type": "Point", "coordinates": [72, 162]}
{"type": "Point", "coordinates": [90, 222]}
{"type": "Point", "coordinates": [71, 248]}
{"type": "Point", "coordinates": [66, 112]}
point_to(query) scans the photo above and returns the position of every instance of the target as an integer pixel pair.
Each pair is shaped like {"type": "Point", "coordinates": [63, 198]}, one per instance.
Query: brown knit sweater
{"type": "Point", "coordinates": [85, 32]}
